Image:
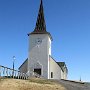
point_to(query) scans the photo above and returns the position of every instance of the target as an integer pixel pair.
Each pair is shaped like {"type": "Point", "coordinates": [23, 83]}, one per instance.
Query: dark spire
{"type": "Point", "coordinates": [40, 24]}
{"type": "Point", "coordinates": [40, 27]}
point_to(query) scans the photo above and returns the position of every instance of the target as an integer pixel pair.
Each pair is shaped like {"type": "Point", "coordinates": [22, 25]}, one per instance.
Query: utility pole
{"type": "Point", "coordinates": [13, 65]}
{"type": "Point", "coordinates": [80, 79]}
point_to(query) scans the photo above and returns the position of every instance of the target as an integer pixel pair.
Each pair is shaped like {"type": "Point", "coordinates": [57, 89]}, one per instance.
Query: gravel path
{"type": "Point", "coordinates": [74, 86]}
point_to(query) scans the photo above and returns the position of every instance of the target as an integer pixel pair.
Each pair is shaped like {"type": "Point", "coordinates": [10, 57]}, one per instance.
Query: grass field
{"type": "Point", "coordinates": [31, 84]}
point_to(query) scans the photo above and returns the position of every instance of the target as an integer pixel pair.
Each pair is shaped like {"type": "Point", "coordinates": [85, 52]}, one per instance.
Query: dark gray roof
{"type": "Point", "coordinates": [23, 63]}
{"type": "Point", "coordinates": [40, 24]}
{"type": "Point", "coordinates": [62, 65]}
{"type": "Point", "coordinates": [40, 27]}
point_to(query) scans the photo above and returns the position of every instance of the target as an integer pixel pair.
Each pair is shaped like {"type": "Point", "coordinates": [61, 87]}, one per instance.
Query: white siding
{"type": "Point", "coordinates": [65, 73]}
{"type": "Point", "coordinates": [55, 68]}
{"type": "Point", "coordinates": [62, 74]}
{"type": "Point", "coordinates": [39, 54]}
{"type": "Point", "coordinates": [49, 46]}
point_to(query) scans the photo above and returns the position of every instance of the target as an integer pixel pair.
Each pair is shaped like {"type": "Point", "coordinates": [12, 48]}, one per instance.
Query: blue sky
{"type": "Point", "coordinates": [68, 21]}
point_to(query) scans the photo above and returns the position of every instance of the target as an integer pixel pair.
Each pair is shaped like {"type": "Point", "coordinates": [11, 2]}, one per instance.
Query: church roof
{"type": "Point", "coordinates": [40, 27]}
{"type": "Point", "coordinates": [40, 24]}
{"type": "Point", "coordinates": [23, 63]}
{"type": "Point", "coordinates": [62, 65]}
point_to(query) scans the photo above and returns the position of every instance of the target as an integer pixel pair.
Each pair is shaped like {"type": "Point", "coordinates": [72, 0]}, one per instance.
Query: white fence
{"type": "Point", "coordinates": [6, 72]}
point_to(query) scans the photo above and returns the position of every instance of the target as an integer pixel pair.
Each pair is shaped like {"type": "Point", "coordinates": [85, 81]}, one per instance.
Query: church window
{"type": "Point", "coordinates": [37, 71]}
{"type": "Point", "coordinates": [51, 74]}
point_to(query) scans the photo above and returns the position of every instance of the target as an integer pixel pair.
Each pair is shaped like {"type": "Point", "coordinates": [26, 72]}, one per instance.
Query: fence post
{"type": "Point", "coordinates": [10, 73]}
{"type": "Point", "coordinates": [18, 74]}
{"type": "Point", "coordinates": [3, 71]}
{"type": "Point", "coordinates": [15, 74]}
{"type": "Point", "coordinates": [7, 72]}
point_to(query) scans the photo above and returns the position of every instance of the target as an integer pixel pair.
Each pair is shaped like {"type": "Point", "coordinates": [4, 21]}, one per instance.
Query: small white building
{"type": "Point", "coordinates": [40, 61]}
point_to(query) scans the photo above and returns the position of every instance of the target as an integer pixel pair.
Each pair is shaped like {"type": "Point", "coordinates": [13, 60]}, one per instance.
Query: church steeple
{"type": "Point", "coordinates": [40, 27]}
{"type": "Point", "coordinates": [40, 23]}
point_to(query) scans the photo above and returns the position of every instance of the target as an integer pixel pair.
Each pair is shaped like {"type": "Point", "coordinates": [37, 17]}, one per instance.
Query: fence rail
{"type": "Point", "coordinates": [6, 72]}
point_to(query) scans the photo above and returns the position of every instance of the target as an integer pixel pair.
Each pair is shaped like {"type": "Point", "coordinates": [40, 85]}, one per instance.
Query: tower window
{"type": "Point", "coordinates": [51, 74]}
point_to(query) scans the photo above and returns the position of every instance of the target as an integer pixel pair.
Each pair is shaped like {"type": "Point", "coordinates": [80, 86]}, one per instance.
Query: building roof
{"type": "Point", "coordinates": [62, 65]}
{"type": "Point", "coordinates": [23, 63]}
{"type": "Point", "coordinates": [40, 27]}
{"type": "Point", "coordinates": [40, 24]}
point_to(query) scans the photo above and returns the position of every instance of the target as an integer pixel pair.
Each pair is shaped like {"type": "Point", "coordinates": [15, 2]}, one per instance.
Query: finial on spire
{"type": "Point", "coordinates": [80, 79]}
{"type": "Point", "coordinates": [41, 1]}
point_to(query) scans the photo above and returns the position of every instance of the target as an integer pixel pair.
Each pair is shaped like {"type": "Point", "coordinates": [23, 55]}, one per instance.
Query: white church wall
{"type": "Point", "coordinates": [55, 69]}
{"type": "Point", "coordinates": [65, 73]}
{"type": "Point", "coordinates": [49, 46]}
{"type": "Point", "coordinates": [62, 74]}
{"type": "Point", "coordinates": [39, 53]}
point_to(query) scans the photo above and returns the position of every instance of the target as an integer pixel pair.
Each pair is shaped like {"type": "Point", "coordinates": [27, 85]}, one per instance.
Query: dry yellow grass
{"type": "Point", "coordinates": [32, 84]}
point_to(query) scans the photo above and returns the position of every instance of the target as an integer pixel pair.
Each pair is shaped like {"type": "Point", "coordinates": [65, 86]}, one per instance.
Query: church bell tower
{"type": "Point", "coordinates": [39, 47]}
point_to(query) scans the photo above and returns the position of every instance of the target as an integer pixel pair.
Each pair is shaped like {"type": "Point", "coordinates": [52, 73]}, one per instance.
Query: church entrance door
{"type": "Point", "coordinates": [37, 71]}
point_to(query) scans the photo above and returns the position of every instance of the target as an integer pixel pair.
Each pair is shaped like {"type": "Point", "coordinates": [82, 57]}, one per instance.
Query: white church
{"type": "Point", "coordinates": [39, 61]}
